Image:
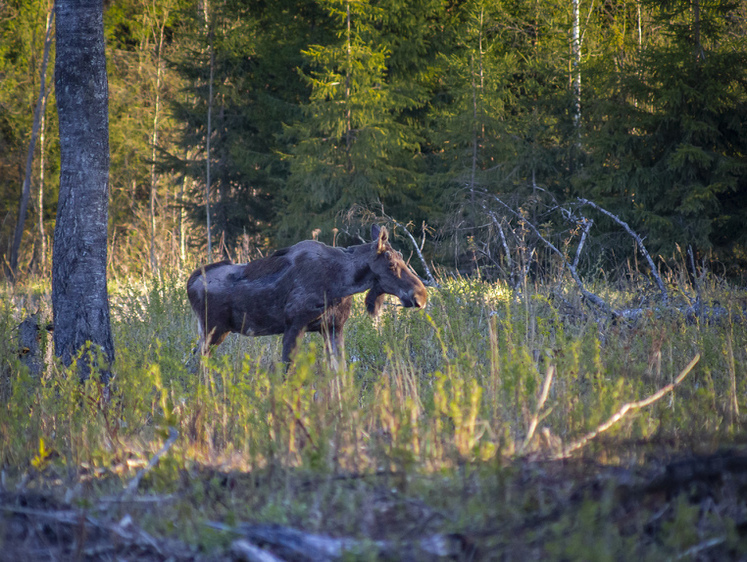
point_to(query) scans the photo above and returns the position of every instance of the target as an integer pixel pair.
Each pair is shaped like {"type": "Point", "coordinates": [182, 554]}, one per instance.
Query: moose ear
{"type": "Point", "coordinates": [380, 235]}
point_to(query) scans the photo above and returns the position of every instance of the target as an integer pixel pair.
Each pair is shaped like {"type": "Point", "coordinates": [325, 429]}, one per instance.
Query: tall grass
{"type": "Point", "coordinates": [426, 394]}
{"type": "Point", "coordinates": [454, 383]}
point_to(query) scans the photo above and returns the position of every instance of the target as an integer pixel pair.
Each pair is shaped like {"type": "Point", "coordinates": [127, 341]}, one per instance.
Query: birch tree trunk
{"type": "Point", "coordinates": [40, 192]}
{"type": "Point", "coordinates": [576, 71]}
{"type": "Point", "coordinates": [79, 297]}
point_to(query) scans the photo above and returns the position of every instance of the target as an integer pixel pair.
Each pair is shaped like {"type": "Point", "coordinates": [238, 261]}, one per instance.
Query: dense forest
{"type": "Point", "coordinates": [264, 123]}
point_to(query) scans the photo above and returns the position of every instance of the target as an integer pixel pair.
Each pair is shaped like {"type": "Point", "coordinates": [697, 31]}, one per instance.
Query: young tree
{"type": "Point", "coordinates": [79, 297]}
{"type": "Point", "coordinates": [38, 113]}
{"type": "Point", "coordinates": [351, 147]}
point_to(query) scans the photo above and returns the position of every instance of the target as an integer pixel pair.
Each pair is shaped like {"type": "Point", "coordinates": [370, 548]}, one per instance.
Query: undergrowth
{"type": "Point", "coordinates": [428, 418]}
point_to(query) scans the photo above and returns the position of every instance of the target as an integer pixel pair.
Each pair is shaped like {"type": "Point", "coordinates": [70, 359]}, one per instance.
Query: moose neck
{"type": "Point", "coordinates": [356, 275]}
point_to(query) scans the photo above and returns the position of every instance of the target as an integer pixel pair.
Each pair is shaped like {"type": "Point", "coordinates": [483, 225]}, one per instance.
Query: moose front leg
{"type": "Point", "coordinates": [290, 342]}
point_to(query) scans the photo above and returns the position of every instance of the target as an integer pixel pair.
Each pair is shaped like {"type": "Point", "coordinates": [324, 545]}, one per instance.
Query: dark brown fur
{"type": "Point", "coordinates": [304, 288]}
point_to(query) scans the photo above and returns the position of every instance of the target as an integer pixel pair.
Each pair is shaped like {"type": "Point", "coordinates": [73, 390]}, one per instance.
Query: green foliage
{"type": "Point", "coordinates": [433, 406]}
{"type": "Point", "coordinates": [665, 145]}
{"type": "Point", "coordinates": [353, 144]}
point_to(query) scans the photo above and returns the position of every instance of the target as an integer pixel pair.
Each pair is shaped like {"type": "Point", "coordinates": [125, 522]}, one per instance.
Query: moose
{"type": "Point", "coordinates": [307, 287]}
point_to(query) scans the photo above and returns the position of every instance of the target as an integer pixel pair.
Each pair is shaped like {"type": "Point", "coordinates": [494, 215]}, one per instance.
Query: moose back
{"type": "Point", "coordinates": [306, 287]}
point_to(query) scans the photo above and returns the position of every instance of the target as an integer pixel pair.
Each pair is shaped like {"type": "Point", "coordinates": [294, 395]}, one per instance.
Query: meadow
{"type": "Point", "coordinates": [475, 429]}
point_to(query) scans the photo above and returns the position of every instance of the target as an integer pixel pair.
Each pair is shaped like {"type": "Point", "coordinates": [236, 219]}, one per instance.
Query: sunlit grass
{"type": "Point", "coordinates": [424, 394]}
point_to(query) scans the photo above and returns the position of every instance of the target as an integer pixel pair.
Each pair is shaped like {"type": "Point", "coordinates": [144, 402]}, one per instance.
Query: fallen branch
{"type": "Point", "coordinates": [125, 530]}
{"type": "Point", "coordinates": [295, 544]}
{"type": "Point", "coordinates": [247, 552]}
{"type": "Point", "coordinates": [429, 277]}
{"type": "Point", "coordinates": [638, 240]}
{"type": "Point", "coordinates": [538, 409]}
{"type": "Point", "coordinates": [135, 482]}
{"type": "Point", "coordinates": [622, 412]}
{"type": "Point", "coordinates": [588, 295]}
{"type": "Point", "coordinates": [693, 551]}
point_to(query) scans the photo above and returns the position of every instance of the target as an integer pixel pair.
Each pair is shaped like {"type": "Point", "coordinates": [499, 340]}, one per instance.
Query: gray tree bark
{"type": "Point", "coordinates": [80, 302]}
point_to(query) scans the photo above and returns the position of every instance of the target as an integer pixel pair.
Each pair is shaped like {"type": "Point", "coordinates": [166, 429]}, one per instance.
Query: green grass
{"type": "Point", "coordinates": [423, 432]}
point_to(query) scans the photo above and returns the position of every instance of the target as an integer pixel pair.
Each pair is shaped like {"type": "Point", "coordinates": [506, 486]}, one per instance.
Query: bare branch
{"type": "Point", "coordinates": [295, 544]}
{"type": "Point", "coordinates": [504, 243]}
{"type": "Point", "coordinates": [638, 240]}
{"type": "Point", "coordinates": [624, 410]}
{"type": "Point", "coordinates": [135, 482]}
{"type": "Point", "coordinates": [245, 551]}
{"type": "Point", "coordinates": [588, 295]}
{"type": "Point", "coordinates": [538, 409]}
{"type": "Point", "coordinates": [588, 224]}
{"type": "Point", "coordinates": [431, 281]}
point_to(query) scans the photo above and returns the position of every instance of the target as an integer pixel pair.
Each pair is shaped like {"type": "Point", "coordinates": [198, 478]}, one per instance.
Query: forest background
{"type": "Point", "coordinates": [295, 118]}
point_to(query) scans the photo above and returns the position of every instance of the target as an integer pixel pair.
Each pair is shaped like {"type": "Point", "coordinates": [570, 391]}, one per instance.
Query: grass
{"type": "Point", "coordinates": [424, 432]}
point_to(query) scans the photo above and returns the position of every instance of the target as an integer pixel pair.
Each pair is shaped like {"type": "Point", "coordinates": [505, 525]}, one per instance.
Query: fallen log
{"type": "Point", "coordinates": [294, 544]}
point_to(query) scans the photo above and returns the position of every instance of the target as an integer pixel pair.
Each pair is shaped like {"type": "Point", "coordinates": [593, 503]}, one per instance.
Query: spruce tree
{"type": "Point", "coordinates": [350, 147]}
{"type": "Point", "coordinates": [669, 153]}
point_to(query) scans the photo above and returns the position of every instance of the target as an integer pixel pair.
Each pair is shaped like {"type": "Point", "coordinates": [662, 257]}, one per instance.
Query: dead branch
{"type": "Point", "coordinates": [624, 410]}
{"type": "Point", "coordinates": [538, 409]}
{"type": "Point", "coordinates": [588, 224]}
{"type": "Point", "coordinates": [294, 544]}
{"type": "Point", "coordinates": [245, 551]}
{"type": "Point", "coordinates": [638, 240]}
{"type": "Point", "coordinates": [429, 277]}
{"type": "Point", "coordinates": [694, 551]}
{"type": "Point", "coordinates": [125, 530]}
{"type": "Point", "coordinates": [504, 243]}
{"type": "Point", "coordinates": [135, 482]}
{"type": "Point", "coordinates": [588, 295]}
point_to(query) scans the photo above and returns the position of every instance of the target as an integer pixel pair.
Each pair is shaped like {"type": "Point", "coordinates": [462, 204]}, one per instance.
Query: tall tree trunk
{"type": "Point", "coordinates": [348, 109]}
{"type": "Point", "coordinates": [576, 65]}
{"type": "Point", "coordinates": [79, 299]}
{"type": "Point", "coordinates": [182, 225]}
{"type": "Point", "coordinates": [40, 192]}
{"type": "Point", "coordinates": [154, 143]}
{"type": "Point", "coordinates": [26, 190]}
{"type": "Point", "coordinates": [209, 29]}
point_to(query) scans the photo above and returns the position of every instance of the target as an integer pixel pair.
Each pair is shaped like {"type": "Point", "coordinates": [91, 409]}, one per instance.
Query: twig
{"type": "Point", "coordinates": [538, 409]}
{"type": "Point", "coordinates": [589, 223]}
{"type": "Point", "coordinates": [698, 302]}
{"type": "Point", "coordinates": [588, 295]}
{"type": "Point", "coordinates": [638, 240]}
{"type": "Point", "coordinates": [431, 281]}
{"type": "Point", "coordinates": [698, 548]}
{"type": "Point", "coordinates": [622, 412]}
{"type": "Point", "coordinates": [135, 482]}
